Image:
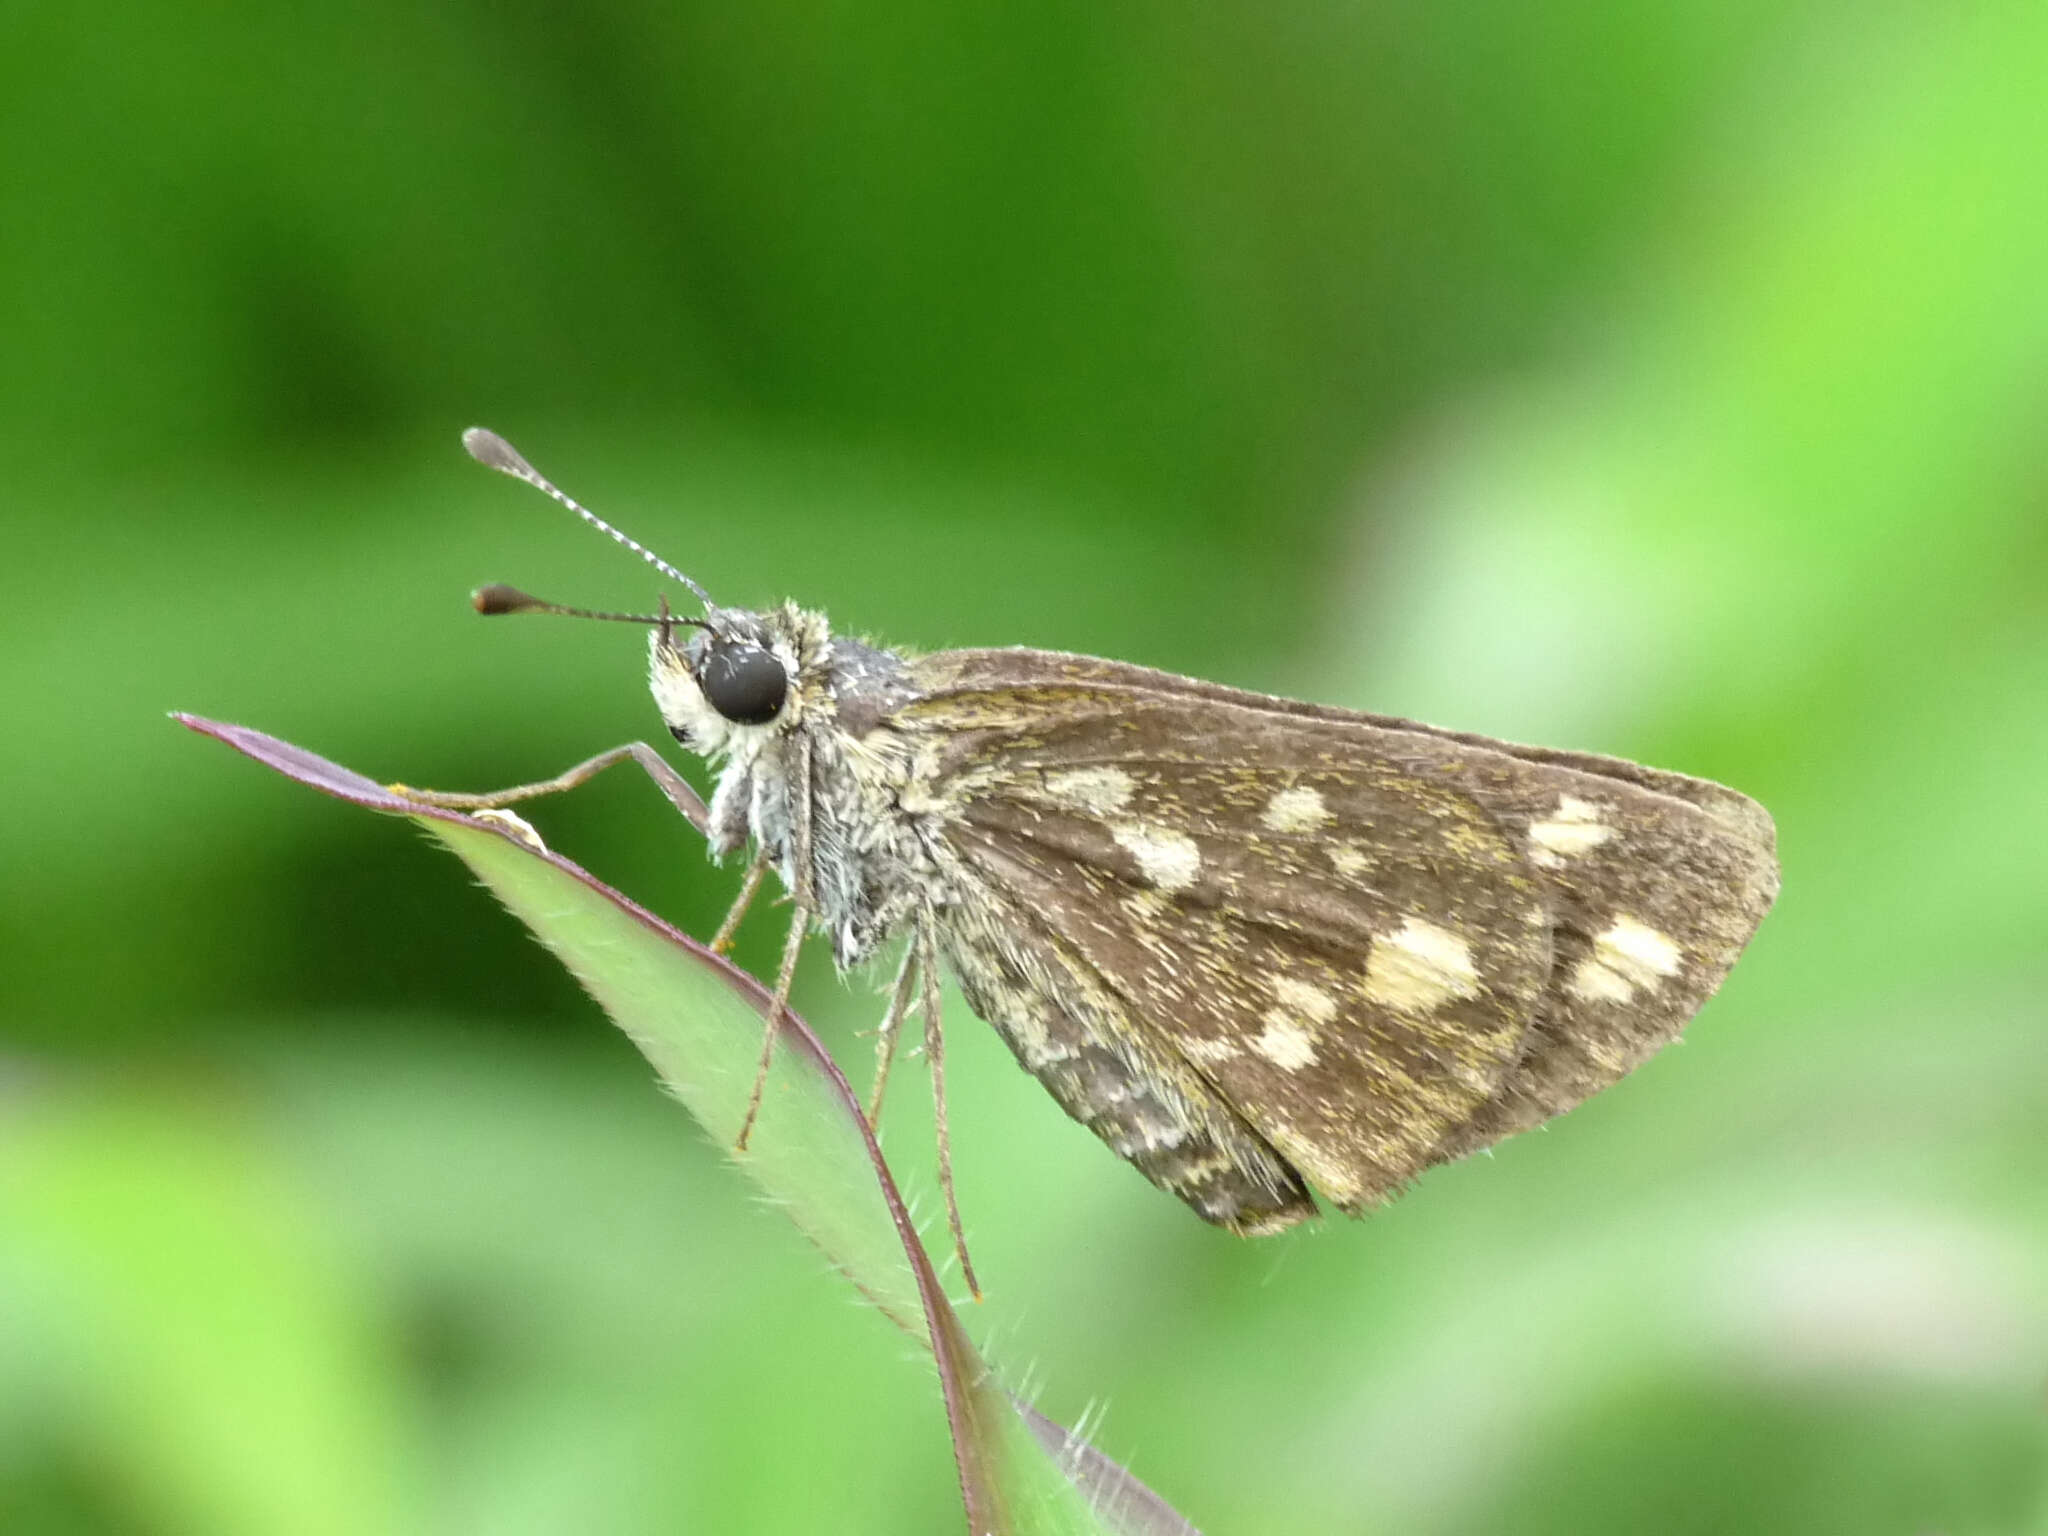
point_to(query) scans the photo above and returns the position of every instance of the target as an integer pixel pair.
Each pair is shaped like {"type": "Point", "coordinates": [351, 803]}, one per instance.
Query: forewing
{"type": "Point", "coordinates": [1348, 949]}
{"type": "Point", "coordinates": [1244, 867]}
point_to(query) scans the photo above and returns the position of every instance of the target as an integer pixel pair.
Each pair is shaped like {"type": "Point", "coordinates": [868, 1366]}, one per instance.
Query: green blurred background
{"type": "Point", "coordinates": [1668, 380]}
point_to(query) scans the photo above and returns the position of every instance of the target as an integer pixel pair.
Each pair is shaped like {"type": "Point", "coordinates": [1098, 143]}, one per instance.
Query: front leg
{"type": "Point", "coordinates": [666, 779]}
{"type": "Point", "coordinates": [671, 783]}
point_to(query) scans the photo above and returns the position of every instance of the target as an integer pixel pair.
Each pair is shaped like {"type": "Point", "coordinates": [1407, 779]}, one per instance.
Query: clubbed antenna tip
{"type": "Point", "coordinates": [499, 598]}
{"type": "Point", "coordinates": [486, 447]}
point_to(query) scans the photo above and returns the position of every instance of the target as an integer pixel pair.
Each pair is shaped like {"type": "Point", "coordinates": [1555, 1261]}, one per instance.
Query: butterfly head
{"type": "Point", "coordinates": [738, 676]}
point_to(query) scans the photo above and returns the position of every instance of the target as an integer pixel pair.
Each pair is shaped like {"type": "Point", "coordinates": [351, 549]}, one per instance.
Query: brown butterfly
{"type": "Point", "coordinates": [1255, 945]}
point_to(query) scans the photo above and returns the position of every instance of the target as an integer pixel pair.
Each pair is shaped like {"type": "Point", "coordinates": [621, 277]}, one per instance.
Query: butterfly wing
{"type": "Point", "coordinates": [1245, 938]}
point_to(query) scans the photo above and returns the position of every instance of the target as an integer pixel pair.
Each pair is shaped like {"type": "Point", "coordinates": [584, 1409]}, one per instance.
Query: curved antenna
{"type": "Point", "coordinates": [486, 447]}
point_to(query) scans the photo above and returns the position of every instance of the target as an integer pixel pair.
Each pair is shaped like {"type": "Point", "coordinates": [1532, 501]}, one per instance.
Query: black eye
{"type": "Point", "coordinates": [744, 683]}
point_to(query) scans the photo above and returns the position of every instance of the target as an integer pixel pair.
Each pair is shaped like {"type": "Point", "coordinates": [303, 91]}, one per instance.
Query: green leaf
{"type": "Point", "coordinates": [699, 1021]}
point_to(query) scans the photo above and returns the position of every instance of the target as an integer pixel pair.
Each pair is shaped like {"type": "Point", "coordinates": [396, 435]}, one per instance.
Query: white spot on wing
{"type": "Point", "coordinates": [1169, 859]}
{"type": "Point", "coordinates": [1595, 983]}
{"type": "Point", "coordinates": [1206, 1051]}
{"type": "Point", "coordinates": [1629, 957]}
{"type": "Point", "coordinates": [1304, 998]}
{"type": "Point", "coordinates": [1419, 967]}
{"type": "Point", "coordinates": [1299, 809]}
{"type": "Point", "coordinates": [1574, 828]}
{"type": "Point", "coordinates": [1640, 949]}
{"type": "Point", "coordinates": [1285, 1043]}
{"type": "Point", "coordinates": [1100, 792]}
{"type": "Point", "coordinates": [1349, 860]}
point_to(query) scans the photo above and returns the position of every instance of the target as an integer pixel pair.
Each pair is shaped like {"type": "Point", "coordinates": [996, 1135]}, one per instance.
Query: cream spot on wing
{"type": "Point", "coordinates": [1419, 967]}
{"type": "Point", "coordinates": [1299, 809]}
{"type": "Point", "coordinates": [1285, 1043]}
{"type": "Point", "coordinates": [1629, 957]}
{"type": "Point", "coordinates": [1349, 860]}
{"type": "Point", "coordinates": [1574, 828]}
{"type": "Point", "coordinates": [1640, 949]}
{"type": "Point", "coordinates": [1595, 983]}
{"type": "Point", "coordinates": [1304, 999]}
{"type": "Point", "coordinates": [1100, 792]}
{"type": "Point", "coordinates": [1204, 1052]}
{"type": "Point", "coordinates": [1169, 859]}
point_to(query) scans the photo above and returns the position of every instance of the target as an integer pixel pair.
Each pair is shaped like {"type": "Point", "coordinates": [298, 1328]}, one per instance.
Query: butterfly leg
{"type": "Point", "coordinates": [927, 948]}
{"type": "Point", "coordinates": [722, 940]}
{"type": "Point", "coordinates": [886, 1037]}
{"type": "Point", "coordinates": [802, 902]}
{"type": "Point", "coordinates": [666, 779]}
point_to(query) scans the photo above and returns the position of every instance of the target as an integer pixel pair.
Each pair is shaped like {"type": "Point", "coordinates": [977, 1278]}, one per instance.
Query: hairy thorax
{"type": "Point", "coordinates": [875, 855]}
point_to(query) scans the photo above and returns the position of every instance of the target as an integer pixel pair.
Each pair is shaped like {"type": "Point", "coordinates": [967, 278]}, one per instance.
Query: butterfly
{"type": "Point", "coordinates": [1261, 948]}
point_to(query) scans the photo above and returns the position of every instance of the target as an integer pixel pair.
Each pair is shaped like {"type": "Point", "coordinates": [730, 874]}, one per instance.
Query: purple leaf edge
{"type": "Point", "coordinates": [959, 1368]}
{"type": "Point", "coordinates": [1113, 1491]}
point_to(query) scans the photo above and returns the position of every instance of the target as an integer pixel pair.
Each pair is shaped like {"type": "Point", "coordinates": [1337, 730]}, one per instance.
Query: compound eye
{"type": "Point", "coordinates": [744, 683]}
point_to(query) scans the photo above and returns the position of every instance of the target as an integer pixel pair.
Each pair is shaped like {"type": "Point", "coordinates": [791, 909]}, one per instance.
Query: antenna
{"type": "Point", "coordinates": [486, 447]}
